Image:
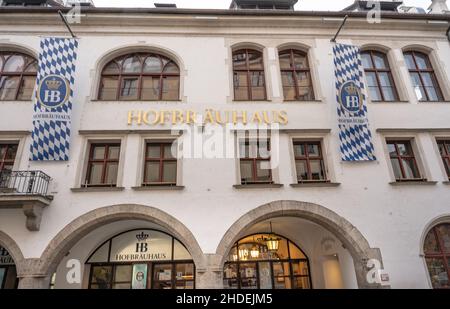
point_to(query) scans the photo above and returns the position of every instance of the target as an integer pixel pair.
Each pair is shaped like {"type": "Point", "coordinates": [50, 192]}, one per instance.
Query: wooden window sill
{"type": "Point", "coordinates": [158, 187]}
{"type": "Point", "coordinates": [313, 184]}
{"type": "Point", "coordinates": [413, 183]}
{"type": "Point", "coordinates": [97, 189]}
{"type": "Point", "coordinates": [259, 186]}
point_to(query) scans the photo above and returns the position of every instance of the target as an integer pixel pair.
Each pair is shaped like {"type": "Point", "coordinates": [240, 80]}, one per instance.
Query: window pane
{"type": "Point", "coordinates": [11, 152]}
{"type": "Point", "coordinates": [246, 171]}
{"type": "Point", "coordinates": [248, 276]}
{"type": "Point", "coordinates": [418, 88]}
{"type": "Point", "coordinates": [389, 94]}
{"type": "Point", "coordinates": [111, 68]}
{"type": "Point", "coordinates": [26, 88]}
{"type": "Point", "coordinates": [184, 271]}
{"type": "Point", "coordinates": [131, 65]}
{"type": "Point", "coordinates": [396, 168]}
{"type": "Point", "coordinates": [95, 176]}
{"type": "Point", "coordinates": [255, 60]}
{"type": "Point", "coordinates": [317, 170]}
{"type": "Point", "coordinates": [101, 277]}
{"type": "Point", "coordinates": [441, 146]}
{"type": "Point", "coordinates": [410, 169]}
{"type": "Point", "coordinates": [288, 86]}
{"type": "Point", "coordinates": [240, 86]}
{"type": "Point", "coordinates": [299, 150]}
{"type": "Point", "coordinates": [14, 63]}
{"type": "Point", "coordinates": [444, 233]}
{"type": "Point", "coordinates": [405, 149]}
{"type": "Point", "coordinates": [152, 65]}
{"type": "Point", "coordinates": [447, 166]}
{"type": "Point", "coordinates": [371, 79]}
{"type": "Point", "coordinates": [392, 150]}
{"type": "Point", "coordinates": [129, 90]}
{"type": "Point", "coordinates": [282, 283]}
{"type": "Point", "coordinates": [313, 150]}
{"type": "Point", "coordinates": [438, 274]}
{"type": "Point", "coordinates": [263, 174]}
{"type": "Point", "coordinates": [113, 152]}
{"type": "Point", "coordinates": [153, 151]}
{"type": "Point", "coordinates": [300, 268]}
{"type": "Point", "coordinates": [422, 61]}
{"type": "Point", "coordinates": [98, 153]}
{"type": "Point", "coordinates": [410, 61]}
{"type": "Point", "coordinates": [431, 244]}
{"type": "Point", "coordinates": [304, 86]}
{"type": "Point", "coordinates": [295, 252]}
{"type": "Point", "coordinates": [32, 67]}
{"type": "Point", "coordinates": [375, 94]}
{"type": "Point", "coordinates": [380, 61]}
{"type": "Point", "coordinates": [2, 151]}
{"type": "Point", "coordinates": [170, 172]}
{"type": "Point", "coordinates": [301, 283]}
{"type": "Point", "coordinates": [151, 172]}
{"type": "Point", "coordinates": [111, 173]}
{"type": "Point", "coordinates": [302, 170]}
{"type": "Point", "coordinates": [285, 61]}
{"type": "Point", "coordinates": [258, 87]}
{"type": "Point", "coordinates": [171, 67]}
{"type": "Point", "coordinates": [281, 269]}
{"type": "Point", "coordinates": [8, 87]}
{"type": "Point", "coordinates": [239, 60]}
{"type": "Point", "coordinates": [123, 273]}
{"type": "Point", "coordinates": [366, 60]}
{"type": "Point", "coordinates": [301, 61]}
{"type": "Point", "coordinates": [168, 152]}
{"type": "Point", "coordinates": [108, 90]}
{"type": "Point", "coordinates": [150, 88]}
{"type": "Point", "coordinates": [171, 86]}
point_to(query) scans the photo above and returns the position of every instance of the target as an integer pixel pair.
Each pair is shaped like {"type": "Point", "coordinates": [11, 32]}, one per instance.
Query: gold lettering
{"type": "Point", "coordinates": [209, 116]}
{"type": "Point", "coordinates": [132, 117]}
{"type": "Point", "coordinates": [283, 117]}
{"type": "Point", "coordinates": [177, 117]}
{"type": "Point", "coordinates": [243, 117]}
{"type": "Point", "coordinates": [266, 117]}
{"type": "Point", "coordinates": [257, 117]}
{"type": "Point", "coordinates": [191, 117]}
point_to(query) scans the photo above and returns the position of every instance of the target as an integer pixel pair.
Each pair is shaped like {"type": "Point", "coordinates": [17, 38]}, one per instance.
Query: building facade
{"type": "Point", "coordinates": [128, 212]}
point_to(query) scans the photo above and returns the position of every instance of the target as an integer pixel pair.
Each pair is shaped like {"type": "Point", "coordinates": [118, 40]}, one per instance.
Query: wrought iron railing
{"type": "Point", "coordinates": [24, 182]}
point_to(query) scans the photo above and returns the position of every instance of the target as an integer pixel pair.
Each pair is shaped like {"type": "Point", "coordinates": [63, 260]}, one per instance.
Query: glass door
{"type": "Point", "coordinates": [249, 275]}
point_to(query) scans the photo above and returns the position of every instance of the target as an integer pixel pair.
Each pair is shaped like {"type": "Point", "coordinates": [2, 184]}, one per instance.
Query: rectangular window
{"type": "Point", "coordinates": [7, 156]}
{"type": "Point", "coordinates": [103, 165]}
{"type": "Point", "coordinates": [160, 164]}
{"type": "Point", "coordinates": [403, 161]}
{"type": "Point", "coordinates": [255, 161]}
{"type": "Point", "coordinates": [444, 150]}
{"type": "Point", "coordinates": [309, 162]}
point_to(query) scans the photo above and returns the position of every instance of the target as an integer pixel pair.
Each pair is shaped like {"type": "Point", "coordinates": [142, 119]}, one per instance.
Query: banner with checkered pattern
{"type": "Point", "coordinates": [53, 100]}
{"type": "Point", "coordinates": [354, 131]}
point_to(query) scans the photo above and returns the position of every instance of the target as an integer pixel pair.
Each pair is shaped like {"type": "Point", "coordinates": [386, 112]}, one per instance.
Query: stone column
{"type": "Point", "coordinates": [31, 277]}
{"type": "Point", "coordinates": [210, 276]}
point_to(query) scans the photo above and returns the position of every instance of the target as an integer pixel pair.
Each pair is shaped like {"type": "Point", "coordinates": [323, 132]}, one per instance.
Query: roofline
{"type": "Point", "coordinates": [221, 12]}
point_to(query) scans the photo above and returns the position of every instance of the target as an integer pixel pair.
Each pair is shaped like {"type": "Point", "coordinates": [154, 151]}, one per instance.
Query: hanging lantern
{"type": "Point", "coordinates": [254, 253]}
{"type": "Point", "coordinates": [272, 242]}
{"type": "Point", "coordinates": [243, 254]}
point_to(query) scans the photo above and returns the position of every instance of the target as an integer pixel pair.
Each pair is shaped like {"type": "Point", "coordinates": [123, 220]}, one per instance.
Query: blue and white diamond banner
{"type": "Point", "coordinates": [53, 100]}
{"type": "Point", "coordinates": [354, 131]}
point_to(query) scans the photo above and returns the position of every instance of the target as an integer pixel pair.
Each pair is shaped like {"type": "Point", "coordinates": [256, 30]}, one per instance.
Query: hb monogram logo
{"type": "Point", "coordinates": [142, 246]}
{"type": "Point", "coordinates": [350, 97]}
{"type": "Point", "coordinates": [53, 91]}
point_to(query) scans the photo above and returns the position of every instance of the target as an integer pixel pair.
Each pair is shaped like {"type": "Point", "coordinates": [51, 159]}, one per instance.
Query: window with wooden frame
{"type": "Point", "coordinates": [309, 161]}
{"type": "Point", "coordinates": [444, 150]}
{"type": "Point", "coordinates": [248, 75]}
{"type": "Point", "coordinates": [254, 157]}
{"type": "Point", "coordinates": [103, 165]}
{"type": "Point", "coordinates": [424, 79]}
{"type": "Point", "coordinates": [296, 76]}
{"type": "Point", "coordinates": [7, 156]}
{"type": "Point", "coordinates": [17, 76]}
{"type": "Point", "coordinates": [140, 77]}
{"type": "Point", "coordinates": [160, 164]}
{"type": "Point", "coordinates": [403, 161]}
{"type": "Point", "coordinates": [379, 78]}
{"type": "Point", "coordinates": [437, 255]}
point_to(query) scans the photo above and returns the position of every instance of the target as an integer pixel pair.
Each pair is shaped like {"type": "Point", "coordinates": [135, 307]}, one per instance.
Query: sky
{"type": "Point", "coordinates": [304, 5]}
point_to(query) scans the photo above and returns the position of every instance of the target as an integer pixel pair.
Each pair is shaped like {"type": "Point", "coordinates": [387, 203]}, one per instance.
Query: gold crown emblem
{"type": "Point", "coordinates": [351, 89]}
{"type": "Point", "coordinates": [53, 84]}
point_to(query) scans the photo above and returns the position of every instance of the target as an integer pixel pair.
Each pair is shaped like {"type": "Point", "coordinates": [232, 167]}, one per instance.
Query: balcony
{"type": "Point", "coordinates": [27, 190]}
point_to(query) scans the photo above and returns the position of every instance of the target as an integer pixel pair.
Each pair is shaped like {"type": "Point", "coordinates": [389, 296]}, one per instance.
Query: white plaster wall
{"type": "Point", "coordinates": [391, 218]}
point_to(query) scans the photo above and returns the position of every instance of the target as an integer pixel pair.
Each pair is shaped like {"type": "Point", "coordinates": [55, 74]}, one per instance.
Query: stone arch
{"type": "Point", "coordinates": [9, 244]}
{"type": "Point", "coordinates": [92, 220]}
{"type": "Point", "coordinates": [247, 45]}
{"type": "Point", "coordinates": [294, 45]}
{"type": "Point", "coordinates": [348, 234]}
{"type": "Point", "coordinates": [15, 47]}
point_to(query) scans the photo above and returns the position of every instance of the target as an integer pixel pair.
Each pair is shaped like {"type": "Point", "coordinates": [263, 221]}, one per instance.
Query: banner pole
{"type": "Point", "coordinates": [333, 40]}
{"type": "Point", "coordinates": [66, 23]}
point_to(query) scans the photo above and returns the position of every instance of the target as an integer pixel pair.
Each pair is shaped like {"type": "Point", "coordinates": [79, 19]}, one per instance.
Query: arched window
{"type": "Point", "coordinates": [141, 259]}
{"type": "Point", "coordinates": [140, 77]}
{"type": "Point", "coordinates": [379, 77]}
{"type": "Point", "coordinates": [266, 261]}
{"type": "Point", "coordinates": [422, 75]}
{"type": "Point", "coordinates": [248, 72]}
{"type": "Point", "coordinates": [296, 76]}
{"type": "Point", "coordinates": [437, 255]}
{"type": "Point", "coordinates": [17, 76]}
